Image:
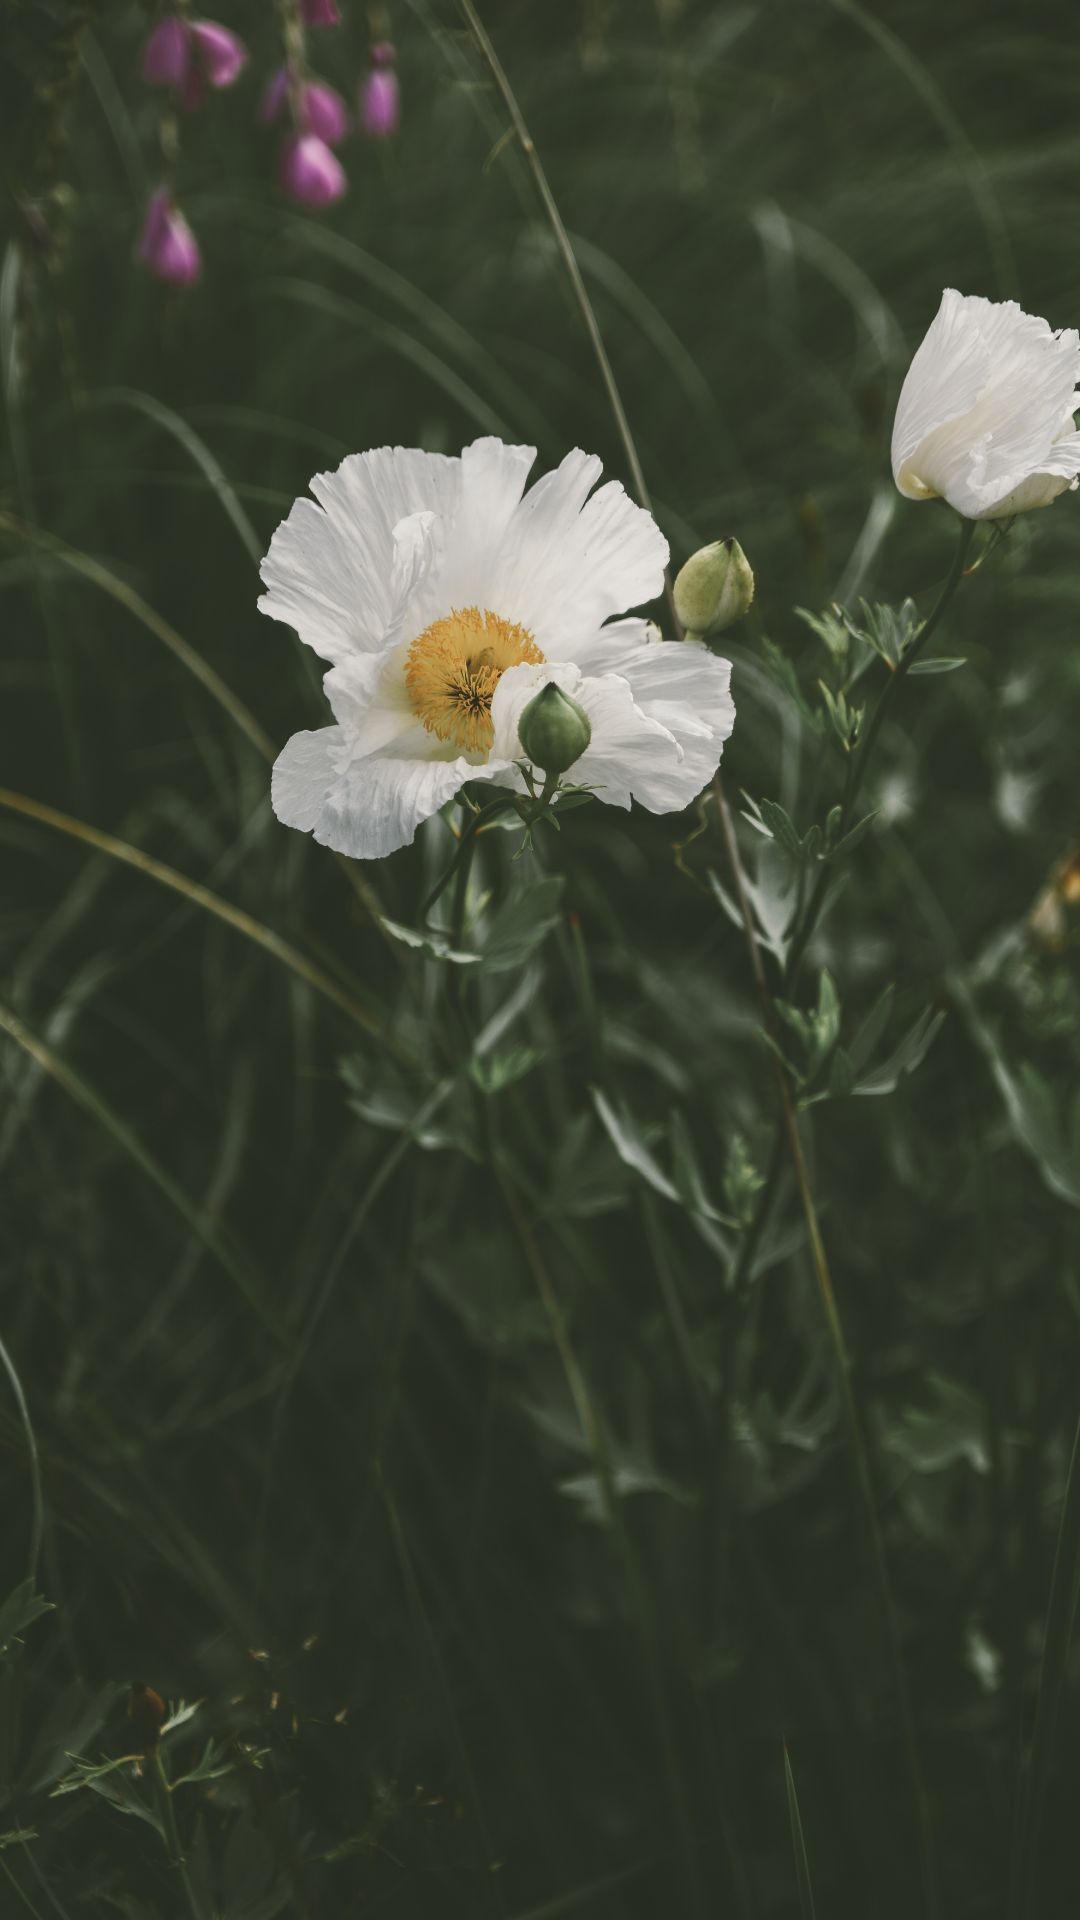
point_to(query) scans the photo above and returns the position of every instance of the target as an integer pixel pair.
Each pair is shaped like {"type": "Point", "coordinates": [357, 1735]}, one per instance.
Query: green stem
{"type": "Point", "coordinates": [597, 1444]}
{"type": "Point", "coordinates": [173, 1846]}
{"type": "Point", "coordinates": [856, 1438]}
{"type": "Point", "coordinates": [1060, 1614]}
{"type": "Point", "coordinates": [860, 756]}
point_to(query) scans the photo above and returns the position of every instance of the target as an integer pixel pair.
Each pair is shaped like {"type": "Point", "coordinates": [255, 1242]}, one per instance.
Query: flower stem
{"type": "Point", "coordinates": [596, 1441]}
{"type": "Point", "coordinates": [859, 758]}
{"type": "Point", "coordinates": [173, 1846]}
{"type": "Point", "coordinates": [857, 1441]}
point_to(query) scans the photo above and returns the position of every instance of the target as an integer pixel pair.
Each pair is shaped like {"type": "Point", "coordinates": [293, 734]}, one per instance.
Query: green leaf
{"type": "Point", "coordinates": [888, 631]}
{"type": "Point", "coordinates": [628, 1477]}
{"type": "Point", "coordinates": [18, 1612]}
{"type": "Point", "coordinates": [430, 941]}
{"type": "Point", "coordinates": [941, 663]}
{"type": "Point", "coordinates": [688, 1177]}
{"type": "Point", "coordinates": [861, 1048]}
{"type": "Point", "coordinates": [519, 926]}
{"type": "Point", "coordinates": [503, 1068]}
{"type": "Point", "coordinates": [852, 837]}
{"type": "Point", "coordinates": [909, 1054]}
{"type": "Point", "coordinates": [930, 1438]}
{"type": "Point", "coordinates": [1050, 1137]}
{"type": "Point", "coordinates": [830, 628]}
{"type": "Point", "coordinates": [782, 672]}
{"type": "Point", "coordinates": [630, 1147]}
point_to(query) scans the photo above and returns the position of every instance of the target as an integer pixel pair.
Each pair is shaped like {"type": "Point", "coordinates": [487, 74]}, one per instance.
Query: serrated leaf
{"type": "Point", "coordinates": [830, 628]}
{"type": "Point", "coordinates": [784, 676]}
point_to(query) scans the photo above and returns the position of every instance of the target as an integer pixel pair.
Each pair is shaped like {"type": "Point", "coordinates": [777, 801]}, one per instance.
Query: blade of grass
{"type": "Point", "coordinates": [118, 590]}
{"type": "Point", "coordinates": [174, 424]}
{"type": "Point", "coordinates": [1060, 1614]}
{"type": "Point", "coordinates": [304, 293]}
{"type": "Point", "coordinates": [234, 1263]}
{"type": "Point", "coordinates": [968, 160]}
{"type": "Point", "coordinates": [798, 1844]}
{"type": "Point", "coordinates": [201, 896]}
{"type": "Point", "coordinates": [37, 1502]}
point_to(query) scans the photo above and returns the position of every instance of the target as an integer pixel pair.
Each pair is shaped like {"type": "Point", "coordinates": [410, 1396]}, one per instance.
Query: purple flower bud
{"type": "Point", "coordinates": [383, 53]}
{"type": "Point", "coordinates": [320, 13]}
{"type": "Point", "coordinates": [222, 55]}
{"type": "Point", "coordinates": [167, 245]}
{"type": "Point", "coordinates": [380, 104]}
{"type": "Point", "coordinates": [167, 53]}
{"type": "Point", "coordinates": [320, 110]}
{"type": "Point", "coordinates": [324, 113]}
{"type": "Point", "coordinates": [310, 173]}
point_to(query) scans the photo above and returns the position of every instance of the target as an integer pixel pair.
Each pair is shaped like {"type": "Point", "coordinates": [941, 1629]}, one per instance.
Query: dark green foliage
{"type": "Point", "coordinates": [412, 1358]}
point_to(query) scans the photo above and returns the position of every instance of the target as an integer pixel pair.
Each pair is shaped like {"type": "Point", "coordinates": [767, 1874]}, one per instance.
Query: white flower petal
{"type": "Point", "coordinates": [631, 755]}
{"type": "Point", "coordinates": [370, 700]}
{"type": "Point", "coordinates": [493, 478]}
{"type": "Point", "coordinates": [568, 562]}
{"type": "Point", "coordinates": [330, 568]}
{"type": "Point", "coordinates": [683, 686]}
{"type": "Point", "coordinates": [979, 419]}
{"type": "Point", "coordinates": [369, 807]}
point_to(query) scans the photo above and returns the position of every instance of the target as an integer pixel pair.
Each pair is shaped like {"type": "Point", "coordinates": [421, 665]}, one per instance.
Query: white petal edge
{"type": "Point", "coordinates": [364, 808]}
{"type": "Point", "coordinates": [329, 571]}
{"type": "Point", "coordinates": [683, 685]}
{"type": "Point", "coordinates": [568, 562]}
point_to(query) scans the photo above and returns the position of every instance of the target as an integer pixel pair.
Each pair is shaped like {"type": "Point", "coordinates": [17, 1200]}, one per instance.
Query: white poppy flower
{"type": "Point", "coordinates": [446, 597]}
{"type": "Point", "coordinates": [985, 415]}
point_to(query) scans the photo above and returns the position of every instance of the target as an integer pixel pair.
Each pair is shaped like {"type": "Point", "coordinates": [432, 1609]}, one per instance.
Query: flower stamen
{"type": "Point", "coordinates": [453, 668]}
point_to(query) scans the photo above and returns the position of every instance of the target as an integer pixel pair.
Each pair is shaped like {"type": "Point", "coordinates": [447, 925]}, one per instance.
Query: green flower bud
{"type": "Point", "coordinates": [715, 588]}
{"type": "Point", "coordinates": [554, 731]}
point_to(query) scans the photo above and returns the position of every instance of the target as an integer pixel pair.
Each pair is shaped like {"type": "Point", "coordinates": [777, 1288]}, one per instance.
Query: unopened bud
{"type": "Point", "coordinates": [715, 588]}
{"type": "Point", "coordinates": [554, 731]}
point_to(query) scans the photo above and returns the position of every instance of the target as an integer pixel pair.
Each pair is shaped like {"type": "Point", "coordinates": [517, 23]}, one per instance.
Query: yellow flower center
{"type": "Point", "coordinates": [453, 668]}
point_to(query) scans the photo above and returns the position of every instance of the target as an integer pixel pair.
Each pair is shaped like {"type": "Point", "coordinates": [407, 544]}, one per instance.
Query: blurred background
{"type": "Point", "coordinates": [400, 1406]}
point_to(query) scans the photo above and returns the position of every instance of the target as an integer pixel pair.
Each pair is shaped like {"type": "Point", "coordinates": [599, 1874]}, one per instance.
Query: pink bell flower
{"type": "Point", "coordinates": [220, 53]}
{"type": "Point", "coordinates": [310, 172]}
{"type": "Point", "coordinates": [191, 56]}
{"type": "Point", "coordinates": [320, 13]}
{"type": "Point", "coordinates": [380, 94]}
{"type": "Point", "coordinates": [167, 245]}
{"type": "Point", "coordinates": [320, 109]}
{"type": "Point", "coordinates": [167, 53]}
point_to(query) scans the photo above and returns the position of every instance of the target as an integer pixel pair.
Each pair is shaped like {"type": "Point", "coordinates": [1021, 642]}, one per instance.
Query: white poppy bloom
{"type": "Point", "coordinates": [446, 597]}
{"type": "Point", "coordinates": [985, 415]}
